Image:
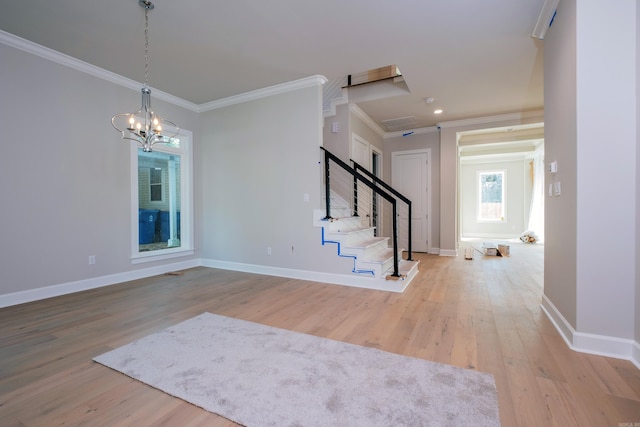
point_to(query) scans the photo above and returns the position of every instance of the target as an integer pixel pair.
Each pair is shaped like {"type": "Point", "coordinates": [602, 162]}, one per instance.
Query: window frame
{"type": "Point", "coordinates": [186, 248]}
{"type": "Point", "coordinates": [156, 184]}
{"type": "Point", "coordinates": [503, 216]}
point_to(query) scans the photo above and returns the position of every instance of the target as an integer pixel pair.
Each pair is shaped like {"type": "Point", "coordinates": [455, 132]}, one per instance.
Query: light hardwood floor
{"type": "Point", "coordinates": [482, 314]}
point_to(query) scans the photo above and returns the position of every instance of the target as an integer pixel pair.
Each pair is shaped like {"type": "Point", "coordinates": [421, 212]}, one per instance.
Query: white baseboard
{"type": "Point", "coordinates": [366, 282]}
{"type": "Point", "coordinates": [448, 252]}
{"type": "Point", "coordinates": [31, 295]}
{"type": "Point", "coordinates": [635, 356]}
{"type": "Point", "coordinates": [92, 283]}
{"type": "Point", "coordinates": [601, 345]}
{"type": "Point", "coordinates": [490, 236]}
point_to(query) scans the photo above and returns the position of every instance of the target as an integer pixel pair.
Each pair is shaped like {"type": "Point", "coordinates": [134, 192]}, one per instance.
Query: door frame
{"type": "Point", "coordinates": [426, 187]}
{"type": "Point", "coordinates": [370, 149]}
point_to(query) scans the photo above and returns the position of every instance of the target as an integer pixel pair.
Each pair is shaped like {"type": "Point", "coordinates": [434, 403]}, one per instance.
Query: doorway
{"type": "Point", "coordinates": [510, 160]}
{"type": "Point", "coordinates": [411, 176]}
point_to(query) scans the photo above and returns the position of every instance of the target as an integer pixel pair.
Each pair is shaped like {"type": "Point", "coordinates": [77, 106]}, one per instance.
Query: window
{"type": "Point", "coordinates": [491, 196]}
{"type": "Point", "coordinates": [155, 184]}
{"type": "Point", "coordinates": [161, 200]}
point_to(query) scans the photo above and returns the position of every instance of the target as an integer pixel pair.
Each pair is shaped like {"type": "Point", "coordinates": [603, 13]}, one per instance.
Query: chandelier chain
{"type": "Point", "coordinates": [146, 47]}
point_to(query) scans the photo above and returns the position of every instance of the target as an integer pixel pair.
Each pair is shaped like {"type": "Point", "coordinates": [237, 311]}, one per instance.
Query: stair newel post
{"type": "Point", "coordinates": [409, 232]}
{"type": "Point", "coordinates": [394, 205]}
{"type": "Point", "coordinates": [327, 187]}
{"type": "Point", "coordinates": [355, 190]}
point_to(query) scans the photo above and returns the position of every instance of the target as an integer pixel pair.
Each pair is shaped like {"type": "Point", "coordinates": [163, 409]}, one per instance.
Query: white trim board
{"type": "Point", "coordinates": [84, 67]}
{"type": "Point", "coordinates": [37, 294]}
{"type": "Point", "coordinates": [448, 252]}
{"type": "Point", "coordinates": [303, 83]}
{"type": "Point", "coordinates": [76, 64]}
{"type": "Point", "coordinates": [312, 276]}
{"type": "Point", "coordinates": [600, 345]}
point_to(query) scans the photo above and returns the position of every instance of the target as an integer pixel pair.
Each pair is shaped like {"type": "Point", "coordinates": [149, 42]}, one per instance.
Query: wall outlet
{"type": "Point", "coordinates": [92, 259]}
{"type": "Point", "coordinates": [269, 250]}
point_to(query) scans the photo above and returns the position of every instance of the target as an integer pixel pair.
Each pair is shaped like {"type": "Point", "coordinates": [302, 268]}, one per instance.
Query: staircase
{"type": "Point", "coordinates": [376, 258]}
{"type": "Point", "coordinates": [372, 256]}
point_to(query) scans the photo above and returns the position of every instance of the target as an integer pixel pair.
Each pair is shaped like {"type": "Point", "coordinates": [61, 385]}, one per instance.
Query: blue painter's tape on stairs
{"type": "Point", "coordinates": [354, 270]}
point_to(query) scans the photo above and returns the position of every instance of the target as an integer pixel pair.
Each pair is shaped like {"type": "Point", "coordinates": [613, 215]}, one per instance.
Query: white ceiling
{"type": "Point", "coordinates": [476, 58]}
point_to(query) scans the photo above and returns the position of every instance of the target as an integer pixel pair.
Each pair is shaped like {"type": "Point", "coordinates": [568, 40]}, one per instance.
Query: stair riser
{"type": "Point", "coordinates": [350, 239]}
{"type": "Point", "coordinates": [344, 225]}
{"type": "Point", "coordinates": [366, 253]}
{"type": "Point", "coordinates": [379, 267]}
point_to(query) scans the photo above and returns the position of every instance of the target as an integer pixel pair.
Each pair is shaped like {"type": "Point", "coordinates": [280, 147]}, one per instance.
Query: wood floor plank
{"type": "Point", "coordinates": [482, 314]}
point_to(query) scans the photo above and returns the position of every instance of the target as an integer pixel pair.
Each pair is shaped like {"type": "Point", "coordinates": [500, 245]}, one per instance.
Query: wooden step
{"type": "Point", "coordinates": [406, 270]}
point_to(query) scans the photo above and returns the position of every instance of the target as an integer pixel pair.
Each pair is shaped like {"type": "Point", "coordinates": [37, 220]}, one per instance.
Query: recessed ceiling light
{"type": "Point", "coordinates": [438, 111]}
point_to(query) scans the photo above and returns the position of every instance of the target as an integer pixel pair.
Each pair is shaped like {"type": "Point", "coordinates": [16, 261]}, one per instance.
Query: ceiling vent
{"type": "Point", "coordinates": [400, 123]}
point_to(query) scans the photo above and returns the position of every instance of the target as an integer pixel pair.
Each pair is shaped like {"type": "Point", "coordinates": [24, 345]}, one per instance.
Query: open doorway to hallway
{"type": "Point", "coordinates": [501, 184]}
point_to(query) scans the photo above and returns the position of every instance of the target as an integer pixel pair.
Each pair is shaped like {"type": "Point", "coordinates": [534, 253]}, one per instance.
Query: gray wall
{"type": "Point", "coordinates": [338, 142]}
{"type": "Point", "coordinates": [64, 173]}
{"type": "Point", "coordinates": [257, 160]}
{"type": "Point", "coordinates": [637, 239]}
{"type": "Point", "coordinates": [605, 295]}
{"type": "Point", "coordinates": [594, 144]}
{"type": "Point", "coordinates": [560, 146]}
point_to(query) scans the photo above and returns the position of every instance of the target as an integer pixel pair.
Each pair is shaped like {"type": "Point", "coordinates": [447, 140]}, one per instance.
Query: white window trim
{"type": "Point", "coordinates": [186, 203]}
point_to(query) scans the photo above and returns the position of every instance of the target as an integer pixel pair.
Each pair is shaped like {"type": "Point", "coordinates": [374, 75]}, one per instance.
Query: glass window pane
{"type": "Point", "coordinates": [158, 200]}
{"type": "Point", "coordinates": [491, 196]}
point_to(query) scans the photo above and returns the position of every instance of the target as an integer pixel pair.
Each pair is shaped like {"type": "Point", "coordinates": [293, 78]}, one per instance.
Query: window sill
{"type": "Point", "coordinates": [160, 255]}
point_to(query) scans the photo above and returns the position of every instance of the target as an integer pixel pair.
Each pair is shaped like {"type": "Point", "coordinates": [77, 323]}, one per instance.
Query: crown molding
{"type": "Point", "coordinates": [357, 111]}
{"type": "Point", "coordinates": [303, 83]}
{"type": "Point", "coordinates": [493, 119]}
{"type": "Point", "coordinates": [84, 67]}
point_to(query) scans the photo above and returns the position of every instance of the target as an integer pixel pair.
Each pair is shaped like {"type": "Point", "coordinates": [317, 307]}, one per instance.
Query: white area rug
{"type": "Point", "coordinates": [257, 375]}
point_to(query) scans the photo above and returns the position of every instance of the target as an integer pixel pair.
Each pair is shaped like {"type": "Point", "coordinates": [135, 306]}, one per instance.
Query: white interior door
{"type": "Point", "coordinates": [410, 172]}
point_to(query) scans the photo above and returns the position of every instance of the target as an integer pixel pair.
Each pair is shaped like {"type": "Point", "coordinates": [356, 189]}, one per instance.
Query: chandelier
{"type": "Point", "coordinates": [144, 126]}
